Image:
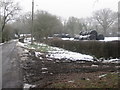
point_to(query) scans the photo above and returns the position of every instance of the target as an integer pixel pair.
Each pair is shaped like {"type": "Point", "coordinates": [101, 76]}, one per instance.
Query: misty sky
{"type": "Point", "coordinates": [67, 8]}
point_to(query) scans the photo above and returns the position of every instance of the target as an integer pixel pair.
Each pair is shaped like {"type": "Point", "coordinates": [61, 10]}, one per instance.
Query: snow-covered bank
{"type": "Point", "coordinates": [106, 39]}
{"type": "Point", "coordinates": [27, 86]}
{"type": "Point", "coordinates": [1, 44]}
{"type": "Point", "coordinates": [112, 61]}
{"type": "Point", "coordinates": [111, 38]}
{"type": "Point", "coordinates": [57, 53]}
{"type": "Point", "coordinates": [43, 50]}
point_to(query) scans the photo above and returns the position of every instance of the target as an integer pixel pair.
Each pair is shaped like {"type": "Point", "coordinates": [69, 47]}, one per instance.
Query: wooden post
{"type": "Point", "coordinates": [119, 16]}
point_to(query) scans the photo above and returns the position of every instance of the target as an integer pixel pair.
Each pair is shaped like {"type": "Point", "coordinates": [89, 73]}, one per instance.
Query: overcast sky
{"type": "Point", "coordinates": [67, 8]}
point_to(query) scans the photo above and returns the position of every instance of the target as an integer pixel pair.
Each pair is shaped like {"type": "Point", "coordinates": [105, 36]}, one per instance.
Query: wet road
{"type": "Point", "coordinates": [11, 72]}
{"type": "Point", "coordinates": [0, 67]}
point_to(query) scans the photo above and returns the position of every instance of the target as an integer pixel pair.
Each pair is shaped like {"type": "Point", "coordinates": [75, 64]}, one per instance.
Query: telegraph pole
{"type": "Point", "coordinates": [119, 16]}
{"type": "Point", "coordinates": [32, 22]}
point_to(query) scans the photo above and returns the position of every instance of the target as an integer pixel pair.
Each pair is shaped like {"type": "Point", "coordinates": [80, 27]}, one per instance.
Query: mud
{"type": "Point", "coordinates": [44, 72]}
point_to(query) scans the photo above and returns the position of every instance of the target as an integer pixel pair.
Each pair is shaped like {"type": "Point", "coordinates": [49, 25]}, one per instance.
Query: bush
{"type": "Point", "coordinates": [95, 48]}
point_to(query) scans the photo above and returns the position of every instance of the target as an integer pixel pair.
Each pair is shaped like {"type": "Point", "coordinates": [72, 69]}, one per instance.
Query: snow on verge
{"type": "Point", "coordinates": [106, 38]}
{"type": "Point", "coordinates": [68, 55]}
{"type": "Point", "coordinates": [20, 44]}
{"type": "Point", "coordinates": [1, 44]}
{"type": "Point", "coordinates": [27, 86]}
{"type": "Point", "coordinates": [112, 61]}
{"type": "Point", "coordinates": [59, 53]}
{"type": "Point", "coordinates": [111, 39]}
{"type": "Point", "coordinates": [102, 75]}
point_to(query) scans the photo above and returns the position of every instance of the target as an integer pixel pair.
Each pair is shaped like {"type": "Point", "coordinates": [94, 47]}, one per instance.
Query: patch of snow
{"type": "Point", "coordinates": [28, 86]}
{"type": "Point", "coordinates": [40, 58]}
{"type": "Point", "coordinates": [28, 40]}
{"type": "Point", "coordinates": [21, 35]}
{"type": "Point", "coordinates": [44, 72]}
{"type": "Point", "coordinates": [67, 38]}
{"type": "Point", "coordinates": [112, 61]}
{"type": "Point", "coordinates": [49, 59]}
{"type": "Point", "coordinates": [84, 36]}
{"type": "Point", "coordinates": [16, 35]}
{"type": "Point", "coordinates": [59, 53]}
{"type": "Point", "coordinates": [26, 51]}
{"type": "Point", "coordinates": [51, 73]}
{"type": "Point", "coordinates": [41, 44]}
{"type": "Point", "coordinates": [32, 48]}
{"type": "Point", "coordinates": [111, 39]}
{"type": "Point", "coordinates": [1, 44]}
{"type": "Point", "coordinates": [68, 55]}
{"type": "Point", "coordinates": [94, 65]}
{"type": "Point", "coordinates": [15, 40]}
{"type": "Point", "coordinates": [71, 81]}
{"type": "Point", "coordinates": [44, 68]}
{"type": "Point", "coordinates": [57, 61]}
{"type": "Point", "coordinates": [88, 79]}
{"type": "Point", "coordinates": [37, 54]}
{"type": "Point", "coordinates": [20, 44]}
{"type": "Point", "coordinates": [102, 75]}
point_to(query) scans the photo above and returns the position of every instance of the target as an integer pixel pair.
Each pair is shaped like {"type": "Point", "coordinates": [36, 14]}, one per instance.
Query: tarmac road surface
{"type": "Point", "coordinates": [0, 67]}
{"type": "Point", "coordinates": [11, 71]}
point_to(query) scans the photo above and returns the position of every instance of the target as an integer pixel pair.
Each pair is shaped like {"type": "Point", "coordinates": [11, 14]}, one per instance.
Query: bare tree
{"type": "Point", "coordinates": [87, 23]}
{"type": "Point", "coordinates": [73, 25]}
{"type": "Point", "coordinates": [23, 23]}
{"type": "Point", "coordinates": [8, 11]}
{"type": "Point", "coordinates": [105, 17]}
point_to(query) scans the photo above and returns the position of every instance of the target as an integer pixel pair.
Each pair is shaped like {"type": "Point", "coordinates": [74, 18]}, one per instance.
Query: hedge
{"type": "Point", "coordinates": [93, 47]}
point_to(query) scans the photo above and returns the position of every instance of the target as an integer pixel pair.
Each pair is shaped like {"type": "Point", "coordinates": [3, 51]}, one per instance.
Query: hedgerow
{"type": "Point", "coordinates": [93, 47]}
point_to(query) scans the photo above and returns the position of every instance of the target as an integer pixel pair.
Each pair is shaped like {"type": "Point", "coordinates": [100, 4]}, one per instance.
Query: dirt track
{"type": "Point", "coordinates": [45, 72]}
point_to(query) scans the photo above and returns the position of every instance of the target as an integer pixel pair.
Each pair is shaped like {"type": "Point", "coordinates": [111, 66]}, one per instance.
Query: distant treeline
{"type": "Point", "coordinates": [45, 24]}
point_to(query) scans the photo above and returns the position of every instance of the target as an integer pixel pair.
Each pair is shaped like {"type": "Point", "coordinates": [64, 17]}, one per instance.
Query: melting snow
{"type": "Point", "coordinates": [67, 38]}
{"type": "Point", "coordinates": [26, 51]}
{"type": "Point", "coordinates": [68, 55]}
{"type": "Point", "coordinates": [111, 38]}
{"type": "Point", "coordinates": [59, 53]}
{"type": "Point", "coordinates": [102, 75]}
{"type": "Point", "coordinates": [112, 61]}
{"type": "Point", "coordinates": [44, 68]}
{"type": "Point", "coordinates": [71, 81]}
{"type": "Point", "coordinates": [94, 65]}
{"type": "Point", "coordinates": [28, 86]}
{"type": "Point", "coordinates": [44, 72]}
{"type": "Point", "coordinates": [20, 44]}
{"type": "Point", "coordinates": [106, 38]}
{"type": "Point", "coordinates": [1, 43]}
